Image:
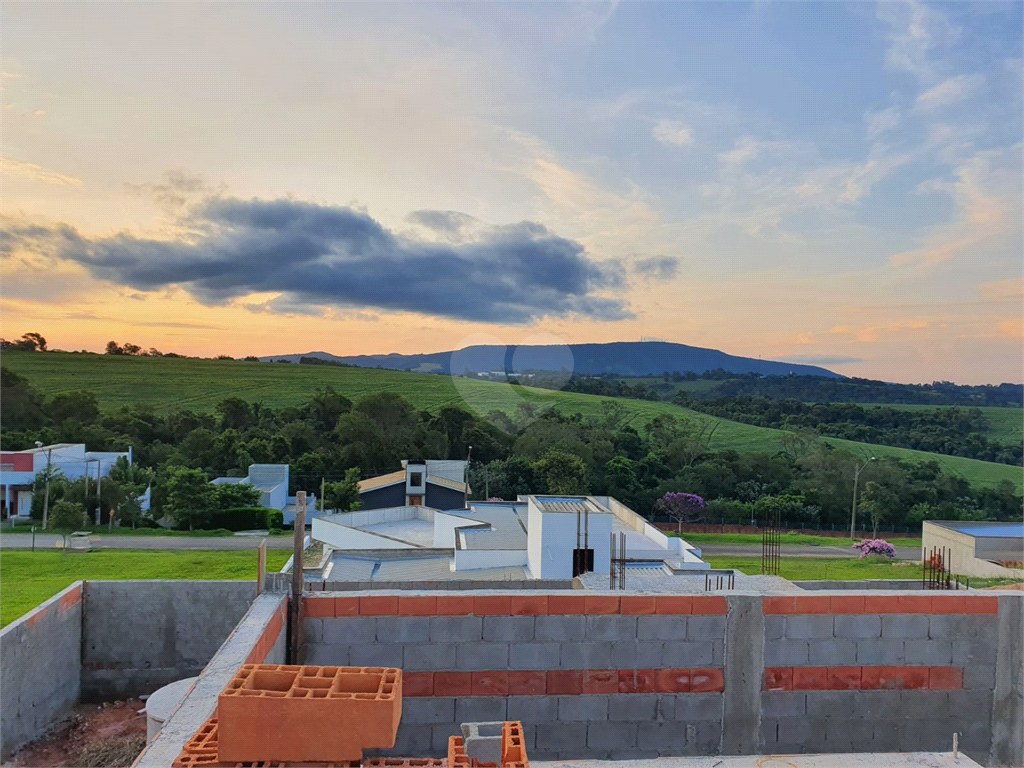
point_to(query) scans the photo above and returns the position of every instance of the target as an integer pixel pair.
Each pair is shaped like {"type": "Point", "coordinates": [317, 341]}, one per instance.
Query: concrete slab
{"type": "Point", "coordinates": [865, 760]}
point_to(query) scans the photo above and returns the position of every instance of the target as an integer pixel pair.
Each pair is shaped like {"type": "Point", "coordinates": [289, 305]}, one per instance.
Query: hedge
{"type": "Point", "coordinates": [240, 519]}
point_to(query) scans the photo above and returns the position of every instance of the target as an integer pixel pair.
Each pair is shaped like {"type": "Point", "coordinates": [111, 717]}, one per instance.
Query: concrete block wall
{"type": "Point", "coordinates": [140, 635]}
{"type": "Point", "coordinates": [42, 657]}
{"type": "Point", "coordinates": [605, 675]}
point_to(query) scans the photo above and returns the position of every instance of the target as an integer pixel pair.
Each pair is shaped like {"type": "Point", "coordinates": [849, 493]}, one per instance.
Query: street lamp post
{"type": "Point", "coordinates": [46, 498]}
{"type": "Point", "coordinates": [465, 478]}
{"type": "Point", "coordinates": [853, 512]}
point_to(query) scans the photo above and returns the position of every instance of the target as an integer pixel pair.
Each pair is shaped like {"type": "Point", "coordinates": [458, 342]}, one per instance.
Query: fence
{"type": "Point", "coordinates": [838, 530]}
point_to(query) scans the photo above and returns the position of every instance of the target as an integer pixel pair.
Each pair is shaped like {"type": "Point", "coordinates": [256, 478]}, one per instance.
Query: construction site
{"type": "Point", "coordinates": [612, 663]}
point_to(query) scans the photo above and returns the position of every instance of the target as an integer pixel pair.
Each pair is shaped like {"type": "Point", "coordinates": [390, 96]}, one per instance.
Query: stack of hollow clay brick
{"type": "Point", "coordinates": [283, 716]}
{"type": "Point", "coordinates": [513, 750]}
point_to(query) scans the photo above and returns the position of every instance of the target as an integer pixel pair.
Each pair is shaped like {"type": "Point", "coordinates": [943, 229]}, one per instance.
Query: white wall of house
{"type": "Point", "coordinates": [339, 536]}
{"type": "Point", "coordinates": [474, 559]}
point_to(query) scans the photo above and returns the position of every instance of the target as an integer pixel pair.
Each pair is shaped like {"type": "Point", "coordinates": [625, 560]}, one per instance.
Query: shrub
{"type": "Point", "coordinates": [870, 547]}
{"type": "Point", "coordinates": [239, 518]}
{"type": "Point", "coordinates": [275, 519]}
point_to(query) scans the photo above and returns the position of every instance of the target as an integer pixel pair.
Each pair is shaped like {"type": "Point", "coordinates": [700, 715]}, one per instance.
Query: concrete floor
{"type": "Point", "coordinates": [863, 760]}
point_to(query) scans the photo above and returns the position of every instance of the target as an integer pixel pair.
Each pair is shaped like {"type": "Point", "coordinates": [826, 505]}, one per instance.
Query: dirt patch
{"type": "Point", "coordinates": [112, 734]}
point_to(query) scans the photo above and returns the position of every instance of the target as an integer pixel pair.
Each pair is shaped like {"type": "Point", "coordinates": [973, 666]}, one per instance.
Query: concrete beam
{"type": "Point", "coordinates": [1008, 697]}
{"type": "Point", "coordinates": [744, 671]}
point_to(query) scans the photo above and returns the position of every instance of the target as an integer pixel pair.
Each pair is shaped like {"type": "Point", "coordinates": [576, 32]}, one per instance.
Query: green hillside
{"type": "Point", "coordinates": [1006, 425]}
{"type": "Point", "coordinates": [177, 383]}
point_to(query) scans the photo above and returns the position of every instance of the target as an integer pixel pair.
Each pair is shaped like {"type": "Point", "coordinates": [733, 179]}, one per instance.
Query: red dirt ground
{"type": "Point", "coordinates": [91, 724]}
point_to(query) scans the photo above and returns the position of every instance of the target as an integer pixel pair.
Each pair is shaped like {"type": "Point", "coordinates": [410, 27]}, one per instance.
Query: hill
{"type": "Point", "coordinates": [166, 384]}
{"type": "Point", "coordinates": [621, 358]}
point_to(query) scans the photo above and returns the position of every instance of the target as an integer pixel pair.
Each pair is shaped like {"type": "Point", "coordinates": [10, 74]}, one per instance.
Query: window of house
{"type": "Point", "coordinates": [415, 479]}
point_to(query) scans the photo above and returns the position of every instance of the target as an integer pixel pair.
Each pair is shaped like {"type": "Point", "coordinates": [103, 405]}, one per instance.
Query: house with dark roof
{"type": "Point", "coordinates": [439, 484]}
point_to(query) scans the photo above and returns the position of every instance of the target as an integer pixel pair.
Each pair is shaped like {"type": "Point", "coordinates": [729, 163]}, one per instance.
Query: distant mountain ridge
{"type": "Point", "coordinates": [620, 358]}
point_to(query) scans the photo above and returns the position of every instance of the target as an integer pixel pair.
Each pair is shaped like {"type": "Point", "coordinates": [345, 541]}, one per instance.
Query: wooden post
{"type": "Point", "coordinates": [261, 566]}
{"type": "Point", "coordinates": [298, 547]}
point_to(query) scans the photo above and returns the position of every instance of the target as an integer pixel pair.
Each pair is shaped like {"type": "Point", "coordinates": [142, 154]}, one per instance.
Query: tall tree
{"type": "Point", "coordinates": [190, 497]}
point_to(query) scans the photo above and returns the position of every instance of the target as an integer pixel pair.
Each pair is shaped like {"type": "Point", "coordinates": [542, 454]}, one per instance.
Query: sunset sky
{"type": "Point", "coordinates": [830, 183]}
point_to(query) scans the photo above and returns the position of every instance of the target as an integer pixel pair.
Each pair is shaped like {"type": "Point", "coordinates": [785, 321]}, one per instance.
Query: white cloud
{"type": "Point", "coordinates": [916, 30]}
{"type": "Point", "coordinates": [35, 173]}
{"type": "Point", "coordinates": [673, 133]}
{"type": "Point", "coordinates": [949, 91]}
{"type": "Point", "coordinates": [880, 122]}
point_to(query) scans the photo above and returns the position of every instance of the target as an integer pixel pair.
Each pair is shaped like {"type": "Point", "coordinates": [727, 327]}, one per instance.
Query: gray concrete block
{"type": "Point", "coordinates": [878, 706]}
{"type": "Point", "coordinates": [481, 656]}
{"type": "Point", "coordinates": [418, 710]}
{"type": "Point", "coordinates": [699, 706]}
{"type": "Point", "coordinates": [611, 628]}
{"type": "Point", "coordinates": [881, 652]}
{"type": "Point", "coordinates": [440, 733]}
{"type": "Point", "coordinates": [928, 652]}
{"type": "Point", "coordinates": [786, 653]}
{"type": "Point", "coordinates": [975, 650]}
{"type": "Point", "coordinates": [556, 736]}
{"type": "Point", "coordinates": [585, 656]}
{"type": "Point", "coordinates": [560, 628]}
{"type": "Point", "coordinates": [928, 734]}
{"type": "Point", "coordinates": [857, 626]}
{"type": "Point", "coordinates": [623, 655]}
{"type": "Point", "coordinates": [885, 735]}
{"type": "Point", "coordinates": [322, 654]}
{"type": "Point", "coordinates": [831, 653]}
{"type": "Point", "coordinates": [534, 656]}
{"type": "Point", "coordinates": [533, 709]}
{"type": "Point", "coordinates": [687, 654]}
{"type": "Point", "coordinates": [582, 708]}
{"type": "Point", "coordinates": [662, 736]}
{"type": "Point", "coordinates": [472, 709]}
{"type": "Point", "coordinates": [979, 677]}
{"type": "Point", "coordinates": [788, 735]}
{"type": "Point", "coordinates": [312, 630]}
{"type": "Point", "coordinates": [718, 653]}
{"type": "Point", "coordinates": [774, 627]}
{"type": "Point", "coordinates": [455, 629]}
{"type": "Point", "coordinates": [921, 704]}
{"type": "Point", "coordinates": [429, 657]}
{"type": "Point", "coordinates": [403, 629]}
{"type": "Point", "coordinates": [661, 627]}
{"type": "Point", "coordinates": [909, 626]}
{"type": "Point", "coordinates": [508, 629]}
{"type": "Point", "coordinates": [779, 704]}
{"type": "Point", "coordinates": [973, 705]}
{"type": "Point", "coordinates": [410, 740]}
{"type": "Point", "coordinates": [649, 654]}
{"type": "Point", "coordinates": [704, 738]}
{"type": "Point", "coordinates": [374, 655]}
{"type": "Point", "coordinates": [849, 735]}
{"type": "Point", "coordinates": [482, 741]}
{"type": "Point", "coordinates": [641, 707]}
{"type": "Point", "coordinates": [831, 703]}
{"type": "Point", "coordinates": [621, 736]}
{"type": "Point", "coordinates": [808, 627]}
{"type": "Point", "coordinates": [705, 627]}
{"type": "Point", "coordinates": [350, 630]}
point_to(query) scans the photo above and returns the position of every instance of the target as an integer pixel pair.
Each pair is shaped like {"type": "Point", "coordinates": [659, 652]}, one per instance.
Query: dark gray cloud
{"type": "Point", "coordinates": [337, 257]}
{"type": "Point", "coordinates": [657, 267]}
{"type": "Point", "coordinates": [450, 223]}
{"type": "Point", "coordinates": [176, 187]}
{"type": "Point", "coordinates": [821, 359]}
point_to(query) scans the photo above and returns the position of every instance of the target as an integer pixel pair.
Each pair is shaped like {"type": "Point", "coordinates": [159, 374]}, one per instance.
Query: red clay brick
{"type": "Point", "coordinates": [637, 680]}
{"type": "Point", "coordinates": [529, 605]}
{"type": "Point", "coordinates": [494, 683]}
{"type": "Point", "coordinates": [843, 678]}
{"type": "Point", "coordinates": [778, 679]}
{"type": "Point", "coordinates": [949, 603]}
{"type": "Point", "coordinates": [452, 605]}
{"type": "Point", "coordinates": [914, 603]}
{"type": "Point", "coordinates": [816, 604]}
{"type": "Point", "coordinates": [318, 607]}
{"type": "Point", "coordinates": [378, 605]}
{"type": "Point", "coordinates": [707, 680]}
{"type": "Point", "coordinates": [492, 605]}
{"type": "Point", "coordinates": [527, 682]}
{"type": "Point", "coordinates": [601, 681]}
{"type": "Point", "coordinates": [565, 681]}
{"type": "Point", "coordinates": [894, 678]}
{"type": "Point", "coordinates": [418, 684]}
{"type": "Point", "coordinates": [846, 604]}
{"type": "Point", "coordinates": [635, 605]}
{"type": "Point", "coordinates": [810, 678]}
{"type": "Point", "coordinates": [974, 604]}
{"type": "Point", "coordinates": [601, 604]}
{"type": "Point", "coordinates": [346, 606]}
{"type": "Point", "coordinates": [677, 605]}
{"type": "Point", "coordinates": [775, 606]}
{"type": "Point", "coordinates": [453, 684]}
{"type": "Point", "coordinates": [709, 605]}
{"type": "Point", "coordinates": [561, 605]}
{"type": "Point", "coordinates": [880, 604]}
{"type": "Point", "coordinates": [945, 678]}
{"type": "Point", "coordinates": [417, 606]}
{"type": "Point", "coordinates": [673, 681]}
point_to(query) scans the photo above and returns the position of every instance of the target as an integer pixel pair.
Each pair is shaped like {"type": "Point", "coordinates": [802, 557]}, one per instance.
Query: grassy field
{"type": "Point", "coordinates": [171, 383]}
{"type": "Point", "coordinates": [787, 538]}
{"type": "Point", "coordinates": [815, 569]}
{"type": "Point", "coordinates": [29, 578]}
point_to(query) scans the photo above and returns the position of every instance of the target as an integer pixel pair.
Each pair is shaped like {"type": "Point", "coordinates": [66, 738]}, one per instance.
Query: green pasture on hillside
{"type": "Point", "coordinates": [1006, 425]}
{"type": "Point", "coordinates": [176, 383]}
{"type": "Point", "coordinates": [29, 578]}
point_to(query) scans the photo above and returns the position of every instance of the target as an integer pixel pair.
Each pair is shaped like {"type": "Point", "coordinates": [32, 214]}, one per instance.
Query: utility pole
{"type": "Point", "coordinates": [853, 512]}
{"type": "Point", "coordinates": [46, 498]}
{"type": "Point", "coordinates": [465, 478]}
{"type": "Point", "coordinates": [322, 505]}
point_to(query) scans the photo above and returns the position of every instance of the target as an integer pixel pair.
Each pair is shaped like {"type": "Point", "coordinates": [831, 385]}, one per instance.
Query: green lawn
{"type": "Point", "coordinates": [29, 578]}
{"type": "Point", "coordinates": [787, 538]}
{"type": "Point", "coordinates": [171, 383]}
{"type": "Point", "coordinates": [814, 569]}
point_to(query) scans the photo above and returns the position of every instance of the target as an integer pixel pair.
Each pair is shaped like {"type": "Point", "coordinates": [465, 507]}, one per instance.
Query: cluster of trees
{"type": "Point", "coordinates": [951, 431]}
{"type": "Point", "coordinates": [329, 438]}
{"type": "Point", "coordinates": [29, 342]}
{"type": "Point", "coordinates": [113, 348]}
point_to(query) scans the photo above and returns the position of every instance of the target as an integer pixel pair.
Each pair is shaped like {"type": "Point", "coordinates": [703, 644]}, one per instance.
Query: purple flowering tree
{"type": "Point", "coordinates": [875, 547]}
{"type": "Point", "coordinates": [681, 507]}
{"type": "Point", "coordinates": [494, 498]}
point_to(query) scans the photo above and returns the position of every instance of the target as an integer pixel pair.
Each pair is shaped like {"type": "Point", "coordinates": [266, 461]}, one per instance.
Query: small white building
{"type": "Point", "coordinates": [979, 549]}
{"type": "Point", "coordinates": [271, 480]}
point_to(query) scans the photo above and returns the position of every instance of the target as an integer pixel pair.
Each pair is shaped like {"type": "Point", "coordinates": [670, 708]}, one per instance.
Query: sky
{"type": "Point", "coordinates": [828, 183]}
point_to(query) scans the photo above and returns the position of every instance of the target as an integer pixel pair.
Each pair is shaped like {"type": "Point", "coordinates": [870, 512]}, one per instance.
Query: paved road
{"type": "Point", "coordinates": [49, 541]}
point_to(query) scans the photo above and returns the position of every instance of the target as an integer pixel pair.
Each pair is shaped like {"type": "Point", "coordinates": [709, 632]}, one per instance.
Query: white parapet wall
{"type": "Point", "coordinates": [339, 536]}
{"type": "Point", "coordinates": [474, 559]}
